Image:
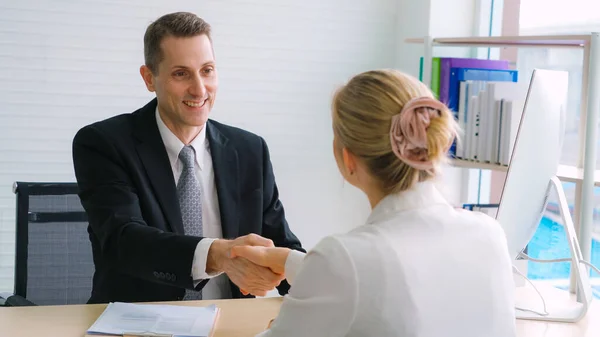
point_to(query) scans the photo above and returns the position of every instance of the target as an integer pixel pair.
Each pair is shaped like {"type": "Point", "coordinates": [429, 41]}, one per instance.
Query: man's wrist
{"type": "Point", "coordinates": [217, 254]}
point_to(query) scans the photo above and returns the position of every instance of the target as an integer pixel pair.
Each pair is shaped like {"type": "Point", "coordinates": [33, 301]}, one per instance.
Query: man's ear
{"type": "Point", "coordinates": [349, 161]}
{"type": "Point", "coordinates": [148, 77]}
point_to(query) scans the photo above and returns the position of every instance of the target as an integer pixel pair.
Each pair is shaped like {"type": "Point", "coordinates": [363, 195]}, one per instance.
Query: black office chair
{"type": "Point", "coordinates": [53, 263]}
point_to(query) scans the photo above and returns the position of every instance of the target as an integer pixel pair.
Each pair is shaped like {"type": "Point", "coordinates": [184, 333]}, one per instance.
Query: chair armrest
{"type": "Point", "coordinates": [14, 301]}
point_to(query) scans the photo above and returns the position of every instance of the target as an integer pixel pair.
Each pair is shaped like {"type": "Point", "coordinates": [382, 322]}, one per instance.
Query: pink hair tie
{"type": "Point", "coordinates": [408, 133]}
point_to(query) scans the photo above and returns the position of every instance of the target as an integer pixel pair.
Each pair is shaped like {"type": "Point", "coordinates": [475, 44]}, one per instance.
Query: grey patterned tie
{"type": "Point", "coordinates": [189, 193]}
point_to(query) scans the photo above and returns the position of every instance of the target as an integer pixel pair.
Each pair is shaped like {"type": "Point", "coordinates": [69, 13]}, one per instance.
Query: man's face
{"type": "Point", "coordinates": [186, 81]}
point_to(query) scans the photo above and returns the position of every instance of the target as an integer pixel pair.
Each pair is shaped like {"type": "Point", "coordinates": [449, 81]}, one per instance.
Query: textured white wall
{"type": "Point", "coordinates": [437, 18]}
{"type": "Point", "coordinates": [64, 64]}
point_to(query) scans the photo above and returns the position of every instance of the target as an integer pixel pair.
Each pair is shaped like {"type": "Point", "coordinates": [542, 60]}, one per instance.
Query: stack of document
{"type": "Point", "coordinates": [120, 319]}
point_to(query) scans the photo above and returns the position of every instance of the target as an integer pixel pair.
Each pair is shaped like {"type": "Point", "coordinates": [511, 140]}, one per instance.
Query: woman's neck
{"type": "Point", "coordinates": [375, 195]}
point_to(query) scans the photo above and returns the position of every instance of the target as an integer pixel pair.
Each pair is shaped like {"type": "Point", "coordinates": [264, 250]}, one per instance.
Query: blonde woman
{"type": "Point", "coordinates": [418, 266]}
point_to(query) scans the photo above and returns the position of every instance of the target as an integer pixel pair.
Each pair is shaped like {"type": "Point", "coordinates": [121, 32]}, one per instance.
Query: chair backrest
{"type": "Point", "coordinates": [53, 263]}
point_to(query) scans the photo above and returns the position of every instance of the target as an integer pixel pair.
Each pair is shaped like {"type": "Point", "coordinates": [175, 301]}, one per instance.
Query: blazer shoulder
{"type": "Point", "coordinates": [122, 124]}
{"type": "Point", "coordinates": [116, 124]}
{"type": "Point", "coordinates": [115, 129]}
{"type": "Point", "coordinates": [238, 135]}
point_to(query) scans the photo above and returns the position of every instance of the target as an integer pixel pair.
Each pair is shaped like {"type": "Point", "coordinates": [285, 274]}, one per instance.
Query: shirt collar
{"type": "Point", "coordinates": [174, 145]}
{"type": "Point", "coordinates": [421, 195]}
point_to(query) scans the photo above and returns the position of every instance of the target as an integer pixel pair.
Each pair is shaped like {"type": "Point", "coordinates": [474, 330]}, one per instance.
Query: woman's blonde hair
{"type": "Point", "coordinates": [363, 114]}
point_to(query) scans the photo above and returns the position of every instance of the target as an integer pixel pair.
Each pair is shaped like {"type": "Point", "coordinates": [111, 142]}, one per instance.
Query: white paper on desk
{"type": "Point", "coordinates": [181, 321]}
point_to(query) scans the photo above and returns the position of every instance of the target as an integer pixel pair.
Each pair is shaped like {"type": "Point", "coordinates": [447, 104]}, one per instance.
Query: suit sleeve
{"type": "Point", "coordinates": [323, 300]}
{"type": "Point", "coordinates": [111, 202]}
{"type": "Point", "coordinates": [275, 226]}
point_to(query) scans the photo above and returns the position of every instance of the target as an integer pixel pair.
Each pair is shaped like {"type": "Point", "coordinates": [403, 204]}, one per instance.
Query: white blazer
{"type": "Point", "coordinates": [417, 268]}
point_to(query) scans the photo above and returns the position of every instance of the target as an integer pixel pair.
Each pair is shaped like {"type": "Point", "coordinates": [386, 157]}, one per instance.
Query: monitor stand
{"type": "Point", "coordinates": [561, 306]}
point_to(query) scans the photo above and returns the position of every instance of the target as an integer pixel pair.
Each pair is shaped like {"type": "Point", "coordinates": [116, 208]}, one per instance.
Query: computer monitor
{"type": "Point", "coordinates": [530, 179]}
{"type": "Point", "coordinates": [535, 158]}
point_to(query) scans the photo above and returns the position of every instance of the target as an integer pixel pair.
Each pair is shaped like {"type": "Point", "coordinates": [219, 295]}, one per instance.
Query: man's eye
{"type": "Point", "coordinates": [208, 70]}
{"type": "Point", "coordinates": [179, 73]}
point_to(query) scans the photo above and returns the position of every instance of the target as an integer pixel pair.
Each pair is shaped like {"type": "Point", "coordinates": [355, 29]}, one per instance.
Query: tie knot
{"type": "Point", "coordinates": [187, 156]}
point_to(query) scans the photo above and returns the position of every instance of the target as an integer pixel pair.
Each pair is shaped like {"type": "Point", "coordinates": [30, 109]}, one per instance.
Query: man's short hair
{"type": "Point", "coordinates": [179, 24]}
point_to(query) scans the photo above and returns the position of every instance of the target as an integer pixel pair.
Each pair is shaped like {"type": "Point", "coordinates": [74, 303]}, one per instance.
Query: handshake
{"type": "Point", "coordinates": [252, 262]}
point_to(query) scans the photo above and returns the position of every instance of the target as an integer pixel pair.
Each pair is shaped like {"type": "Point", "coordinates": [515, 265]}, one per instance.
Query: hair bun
{"type": "Point", "coordinates": [408, 132]}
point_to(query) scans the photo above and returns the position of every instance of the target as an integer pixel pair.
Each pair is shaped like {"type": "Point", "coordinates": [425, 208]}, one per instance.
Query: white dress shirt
{"type": "Point", "coordinates": [417, 268]}
{"type": "Point", "coordinates": [218, 286]}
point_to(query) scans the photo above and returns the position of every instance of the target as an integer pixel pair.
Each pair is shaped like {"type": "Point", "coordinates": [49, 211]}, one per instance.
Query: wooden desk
{"type": "Point", "coordinates": [241, 317]}
{"type": "Point", "coordinates": [245, 317]}
{"type": "Point", "coordinates": [589, 326]}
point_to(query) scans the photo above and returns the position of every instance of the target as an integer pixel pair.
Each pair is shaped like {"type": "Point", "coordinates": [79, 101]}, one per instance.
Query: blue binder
{"type": "Point", "coordinates": [473, 74]}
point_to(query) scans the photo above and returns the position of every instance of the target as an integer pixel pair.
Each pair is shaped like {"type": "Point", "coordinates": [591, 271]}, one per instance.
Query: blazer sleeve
{"type": "Point", "coordinates": [275, 226]}
{"type": "Point", "coordinates": [293, 264]}
{"type": "Point", "coordinates": [109, 197]}
{"type": "Point", "coordinates": [324, 298]}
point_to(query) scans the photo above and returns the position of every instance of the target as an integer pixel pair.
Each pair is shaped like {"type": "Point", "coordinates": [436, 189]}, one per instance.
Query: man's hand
{"type": "Point", "coordinates": [273, 258]}
{"type": "Point", "coordinates": [249, 277]}
{"type": "Point", "coordinates": [219, 251]}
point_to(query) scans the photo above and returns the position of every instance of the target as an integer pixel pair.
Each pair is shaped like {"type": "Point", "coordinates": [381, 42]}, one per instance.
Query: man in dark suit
{"type": "Point", "coordinates": [168, 192]}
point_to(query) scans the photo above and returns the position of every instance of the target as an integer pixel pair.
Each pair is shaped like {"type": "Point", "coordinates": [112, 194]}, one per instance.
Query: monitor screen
{"type": "Point", "coordinates": [535, 158]}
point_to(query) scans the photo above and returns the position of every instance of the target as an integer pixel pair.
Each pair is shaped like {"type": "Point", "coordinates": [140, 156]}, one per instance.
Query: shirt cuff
{"type": "Point", "coordinates": [292, 264]}
{"type": "Point", "coordinates": [199, 261]}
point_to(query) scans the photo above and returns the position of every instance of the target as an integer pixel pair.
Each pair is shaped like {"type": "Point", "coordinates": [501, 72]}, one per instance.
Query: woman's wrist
{"type": "Point", "coordinates": [280, 256]}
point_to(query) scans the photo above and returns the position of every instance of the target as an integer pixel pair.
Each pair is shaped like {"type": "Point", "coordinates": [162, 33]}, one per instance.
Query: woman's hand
{"type": "Point", "coordinates": [271, 257]}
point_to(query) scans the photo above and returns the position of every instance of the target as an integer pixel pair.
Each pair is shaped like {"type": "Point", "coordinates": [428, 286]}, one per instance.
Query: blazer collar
{"type": "Point", "coordinates": [144, 123]}
{"type": "Point", "coordinates": [421, 195]}
{"type": "Point", "coordinates": [226, 171]}
{"type": "Point", "coordinates": [154, 158]}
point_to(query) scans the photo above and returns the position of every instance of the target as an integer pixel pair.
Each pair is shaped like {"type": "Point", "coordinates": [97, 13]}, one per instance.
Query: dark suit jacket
{"type": "Point", "coordinates": [128, 191]}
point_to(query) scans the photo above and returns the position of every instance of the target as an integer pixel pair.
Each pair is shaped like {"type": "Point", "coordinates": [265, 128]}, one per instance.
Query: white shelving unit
{"type": "Point", "coordinates": [584, 175]}
{"type": "Point", "coordinates": [565, 172]}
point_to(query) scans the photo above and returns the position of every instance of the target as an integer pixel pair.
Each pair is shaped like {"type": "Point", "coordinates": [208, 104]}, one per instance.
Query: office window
{"type": "Point", "coordinates": [560, 17]}
{"type": "Point", "coordinates": [549, 242]}
{"type": "Point", "coordinates": [570, 60]}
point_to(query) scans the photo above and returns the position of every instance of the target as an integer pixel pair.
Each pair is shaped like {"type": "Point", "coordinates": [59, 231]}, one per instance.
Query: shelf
{"type": "Point", "coordinates": [574, 174]}
{"type": "Point", "coordinates": [477, 165]}
{"type": "Point", "coordinates": [565, 173]}
{"type": "Point", "coordinates": [572, 41]}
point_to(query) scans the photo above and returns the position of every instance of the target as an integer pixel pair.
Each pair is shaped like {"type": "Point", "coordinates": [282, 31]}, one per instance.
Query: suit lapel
{"type": "Point", "coordinates": [153, 154]}
{"type": "Point", "coordinates": [225, 165]}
